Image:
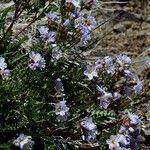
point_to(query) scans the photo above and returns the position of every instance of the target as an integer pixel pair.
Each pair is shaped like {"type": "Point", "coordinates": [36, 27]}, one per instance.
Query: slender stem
{"type": "Point", "coordinates": [13, 21]}
{"type": "Point", "coordinates": [35, 19]}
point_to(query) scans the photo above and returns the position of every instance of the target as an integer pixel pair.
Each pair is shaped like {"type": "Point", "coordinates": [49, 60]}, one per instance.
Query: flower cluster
{"type": "Point", "coordinates": [36, 61]}
{"type": "Point", "coordinates": [118, 68]}
{"type": "Point", "coordinates": [89, 129]}
{"type": "Point", "coordinates": [128, 135]}
{"type": "Point", "coordinates": [4, 72]}
{"type": "Point", "coordinates": [24, 142]}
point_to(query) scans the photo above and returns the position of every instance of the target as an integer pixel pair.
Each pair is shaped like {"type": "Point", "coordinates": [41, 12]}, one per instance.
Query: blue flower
{"type": "Point", "coordinates": [108, 65]}
{"type": "Point", "coordinates": [56, 53]}
{"type": "Point", "coordinates": [123, 60]}
{"type": "Point", "coordinates": [91, 72]}
{"type": "Point", "coordinates": [104, 98]}
{"type": "Point", "coordinates": [98, 64]}
{"type": "Point", "coordinates": [91, 23]}
{"type": "Point", "coordinates": [90, 129]}
{"type": "Point", "coordinates": [88, 124]}
{"type": "Point", "coordinates": [24, 142]}
{"type": "Point", "coordinates": [138, 87]}
{"type": "Point", "coordinates": [62, 111]}
{"type": "Point", "coordinates": [36, 61]}
{"type": "Point", "coordinates": [53, 17]}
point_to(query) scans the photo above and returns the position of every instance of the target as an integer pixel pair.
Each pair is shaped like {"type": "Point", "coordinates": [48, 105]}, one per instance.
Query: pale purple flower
{"type": "Point", "coordinates": [123, 140]}
{"type": "Point", "coordinates": [62, 111]}
{"type": "Point", "coordinates": [113, 142]}
{"type": "Point", "coordinates": [127, 73]}
{"type": "Point", "coordinates": [56, 53]}
{"type": "Point", "coordinates": [90, 129]}
{"type": "Point", "coordinates": [3, 65]}
{"type": "Point", "coordinates": [91, 72]}
{"type": "Point", "coordinates": [123, 60]}
{"type": "Point", "coordinates": [79, 21]}
{"type": "Point", "coordinates": [98, 64]}
{"type": "Point", "coordinates": [104, 98]}
{"type": "Point", "coordinates": [44, 32]}
{"type": "Point", "coordinates": [91, 136]}
{"type": "Point", "coordinates": [5, 74]}
{"type": "Point", "coordinates": [51, 37]}
{"type": "Point", "coordinates": [122, 130]}
{"type": "Point", "coordinates": [88, 124]}
{"type": "Point", "coordinates": [67, 21]}
{"type": "Point", "coordinates": [135, 122]}
{"type": "Point", "coordinates": [24, 142]}
{"type": "Point", "coordinates": [85, 39]}
{"type": "Point", "coordinates": [59, 86]}
{"type": "Point", "coordinates": [74, 14]}
{"type": "Point", "coordinates": [109, 66]}
{"type": "Point", "coordinates": [53, 17]}
{"type": "Point", "coordinates": [92, 23]}
{"type": "Point", "coordinates": [74, 2]}
{"type": "Point", "coordinates": [138, 87]}
{"type": "Point", "coordinates": [36, 61]}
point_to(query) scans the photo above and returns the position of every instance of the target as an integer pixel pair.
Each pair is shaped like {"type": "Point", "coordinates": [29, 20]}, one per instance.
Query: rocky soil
{"type": "Point", "coordinates": [128, 31]}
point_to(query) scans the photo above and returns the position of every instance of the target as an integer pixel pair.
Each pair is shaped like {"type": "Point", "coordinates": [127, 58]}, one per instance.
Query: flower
{"type": "Point", "coordinates": [24, 142]}
{"type": "Point", "coordinates": [113, 142]}
{"type": "Point", "coordinates": [90, 129]}
{"type": "Point", "coordinates": [3, 65]}
{"type": "Point", "coordinates": [59, 85]}
{"type": "Point", "coordinates": [138, 87]}
{"type": "Point", "coordinates": [98, 64]}
{"type": "Point", "coordinates": [51, 37]}
{"type": "Point", "coordinates": [127, 73]}
{"type": "Point", "coordinates": [134, 122]}
{"type": "Point", "coordinates": [88, 124]}
{"type": "Point", "coordinates": [91, 72]}
{"type": "Point", "coordinates": [123, 60]}
{"type": "Point", "coordinates": [123, 140]}
{"type": "Point", "coordinates": [62, 111]}
{"type": "Point", "coordinates": [109, 66]}
{"type": "Point", "coordinates": [104, 98]}
{"type": "Point", "coordinates": [53, 17]}
{"type": "Point", "coordinates": [91, 23]}
{"type": "Point", "coordinates": [5, 74]}
{"type": "Point", "coordinates": [91, 136]}
{"type": "Point", "coordinates": [56, 53]}
{"type": "Point", "coordinates": [36, 61]}
{"type": "Point", "coordinates": [74, 2]}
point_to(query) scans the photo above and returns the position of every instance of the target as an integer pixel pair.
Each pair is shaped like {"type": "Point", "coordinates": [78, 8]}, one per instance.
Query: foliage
{"type": "Point", "coordinates": [29, 97]}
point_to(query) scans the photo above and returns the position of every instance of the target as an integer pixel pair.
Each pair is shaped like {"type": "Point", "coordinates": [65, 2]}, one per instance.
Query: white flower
{"type": "Point", "coordinates": [3, 65]}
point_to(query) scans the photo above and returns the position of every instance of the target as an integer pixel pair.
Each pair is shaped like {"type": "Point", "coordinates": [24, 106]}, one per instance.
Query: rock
{"type": "Point", "coordinates": [119, 28]}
